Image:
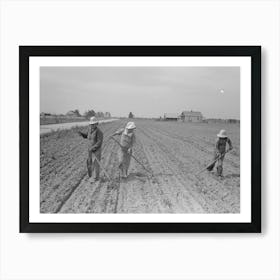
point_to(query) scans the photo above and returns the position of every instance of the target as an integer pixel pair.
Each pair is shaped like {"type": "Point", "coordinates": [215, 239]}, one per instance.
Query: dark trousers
{"type": "Point", "coordinates": [92, 164]}
{"type": "Point", "coordinates": [219, 163]}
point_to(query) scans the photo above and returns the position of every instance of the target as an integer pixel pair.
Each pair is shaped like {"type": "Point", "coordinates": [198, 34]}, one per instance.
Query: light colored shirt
{"type": "Point", "coordinates": [127, 139]}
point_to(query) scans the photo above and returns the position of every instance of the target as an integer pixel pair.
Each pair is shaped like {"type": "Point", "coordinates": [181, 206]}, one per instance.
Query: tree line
{"type": "Point", "coordinates": [92, 113]}
{"type": "Point", "coordinates": [89, 113]}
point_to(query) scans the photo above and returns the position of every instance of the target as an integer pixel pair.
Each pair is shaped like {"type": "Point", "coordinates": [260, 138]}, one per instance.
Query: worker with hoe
{"type": "Point", "coordinates": [95, 139]}
{"type": "Point", "coordinates": [127, 141]}
{"type": "Point", "coordinates": [220, 151]}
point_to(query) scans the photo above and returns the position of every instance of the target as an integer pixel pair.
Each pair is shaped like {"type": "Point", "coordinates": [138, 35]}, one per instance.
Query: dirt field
{"type": "Point", "coordinates": [173, 151]}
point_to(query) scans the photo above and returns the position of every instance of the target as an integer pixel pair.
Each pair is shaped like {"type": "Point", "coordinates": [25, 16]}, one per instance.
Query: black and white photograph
{"type": "Point", "coordinates": [139, 139]}
{"type": "Point", "coordinates": [125, 136]}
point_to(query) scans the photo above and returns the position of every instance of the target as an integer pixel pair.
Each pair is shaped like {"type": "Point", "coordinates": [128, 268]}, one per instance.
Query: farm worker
{"type": "Point", "coordinates": [95, 139]}
{"type": "Point", "coordinates": [127, 141]}
{"type": "Point", "coordinates": [220, 150]}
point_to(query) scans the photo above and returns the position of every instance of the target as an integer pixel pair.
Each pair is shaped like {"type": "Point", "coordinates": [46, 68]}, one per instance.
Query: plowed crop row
{"type": "Point", "coordinates": [173, 152]}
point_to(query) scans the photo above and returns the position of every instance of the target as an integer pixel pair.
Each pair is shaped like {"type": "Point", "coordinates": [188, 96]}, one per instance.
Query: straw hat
{"type": "Point", "coordinates": [222, 134]}
{"type": "Point", "coordinates": [130, 125]}
{"type": "Point", "coordinates": [93, 120]}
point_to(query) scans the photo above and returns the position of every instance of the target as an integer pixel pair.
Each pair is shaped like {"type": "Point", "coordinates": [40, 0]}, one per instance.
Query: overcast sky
{"type": "Point", "coordinates": [145, 91]}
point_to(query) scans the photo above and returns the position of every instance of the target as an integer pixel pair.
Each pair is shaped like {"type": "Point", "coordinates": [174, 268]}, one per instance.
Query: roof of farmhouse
{"type": "Point", "coordinates": [192, 113]}
{"type": "Point", "coordinates": [171, 115]}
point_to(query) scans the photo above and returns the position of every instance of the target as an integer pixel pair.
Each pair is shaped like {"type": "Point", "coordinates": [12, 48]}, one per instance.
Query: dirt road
{"type": "Point", "coordinates": [47, 128]}
{"type": "Point", "coordinates": [174, 152]}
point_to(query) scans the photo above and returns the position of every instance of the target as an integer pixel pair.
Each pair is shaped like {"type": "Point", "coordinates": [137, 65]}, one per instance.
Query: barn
{"type": "Point", "coordinates": [171, 117]}
{"type": "Point", "coordinates": [191, 116]}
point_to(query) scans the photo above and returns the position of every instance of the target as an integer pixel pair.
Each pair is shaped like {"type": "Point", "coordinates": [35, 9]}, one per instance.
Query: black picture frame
{"type": "Point", "coordinates": [25, 52]}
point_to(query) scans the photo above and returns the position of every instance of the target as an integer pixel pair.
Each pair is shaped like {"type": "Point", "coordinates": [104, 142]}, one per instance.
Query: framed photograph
{"type": "Point", "coordinates": [140, 139]}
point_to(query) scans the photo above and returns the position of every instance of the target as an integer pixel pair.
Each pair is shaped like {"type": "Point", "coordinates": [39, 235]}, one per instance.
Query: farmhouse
{"type": "Point", "coordinates": [191, 116]}
{"type": "Point", "coordinates": [171, 117]}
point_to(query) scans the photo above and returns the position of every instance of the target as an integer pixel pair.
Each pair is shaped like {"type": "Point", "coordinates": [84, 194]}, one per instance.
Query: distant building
{"type": "Point", "coordinates": [191, 116]}
{"type": "Point", "coordinates": [233, 121]}
{"type": "Point", "coordinates": [171, 117]}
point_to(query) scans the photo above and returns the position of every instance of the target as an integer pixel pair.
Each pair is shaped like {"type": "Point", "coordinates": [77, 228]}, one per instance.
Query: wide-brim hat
{"type": "Point", "coordinates": [130, 125]}
{"type": "Point", "coordinates": [222, 134]}
{"type": "Point", "coordinates": [93, 120]}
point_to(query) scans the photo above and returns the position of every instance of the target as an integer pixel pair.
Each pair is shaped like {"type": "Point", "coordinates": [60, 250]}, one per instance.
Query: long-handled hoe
{"type": "Point", "coordinates": [211, 163]}
{"type": "Point", "coordinates": [150, 172]}
{"type": "Point", "coordinates": [89, 166]}
{"type": "Point", "coordinates": [102, 167]}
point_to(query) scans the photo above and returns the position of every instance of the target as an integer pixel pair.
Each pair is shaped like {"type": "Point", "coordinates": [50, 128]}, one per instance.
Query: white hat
{"type": "Point", "coordinates": [93, 120]}
{"type": "Point", "coordinates": [130, 125]}
{"type": "Point", "coordinates": [222, 134]}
